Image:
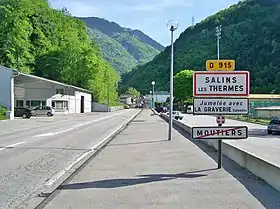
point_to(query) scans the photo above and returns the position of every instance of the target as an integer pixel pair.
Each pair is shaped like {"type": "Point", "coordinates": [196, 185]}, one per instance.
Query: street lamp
{"type": "Point", "coordinates": [218, 34]}
{"type": "Point", "coordinates": [153, 83]}
{"type": "Point", "coordinates": [151, 99]}
{"type": "Point", "coordinates": [172, 26]}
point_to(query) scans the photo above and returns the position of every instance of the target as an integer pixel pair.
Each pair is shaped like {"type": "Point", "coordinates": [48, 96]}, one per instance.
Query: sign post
{"type": "Point", "coordinates": [220, 91]}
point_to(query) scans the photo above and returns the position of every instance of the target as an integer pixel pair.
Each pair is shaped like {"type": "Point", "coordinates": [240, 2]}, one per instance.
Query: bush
{"type": "Point", "coordinates": [3, 113]}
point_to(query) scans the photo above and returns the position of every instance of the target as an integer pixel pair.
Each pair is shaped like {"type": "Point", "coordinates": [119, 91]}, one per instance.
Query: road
{"type": "Point", "coordinates": [35, 153]}
{"type": "Point", "coordinates": [259, 143]}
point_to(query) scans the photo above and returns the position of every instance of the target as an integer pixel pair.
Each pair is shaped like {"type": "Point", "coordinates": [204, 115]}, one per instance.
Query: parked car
{"type": "Point", "coordinates": [273, 126]}
{"type": "Point", "coordinates": [23, 112]}
{"type": "Point", "coordinates": [43, 110]}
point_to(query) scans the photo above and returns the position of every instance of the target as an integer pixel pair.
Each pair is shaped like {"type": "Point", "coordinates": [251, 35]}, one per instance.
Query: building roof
{"type": "Point", "coordinates": [17, 73]}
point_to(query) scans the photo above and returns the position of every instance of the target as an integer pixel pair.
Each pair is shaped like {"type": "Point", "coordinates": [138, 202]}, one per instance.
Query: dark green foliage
{"type": "Point", "coordinates": [3, 113]}
{"type": "Point", "coordinates": [139, 47]}
{"type": "Point", "coordinates": [251, 36]}
{"type": "Point", "coordinates": [37, 39]}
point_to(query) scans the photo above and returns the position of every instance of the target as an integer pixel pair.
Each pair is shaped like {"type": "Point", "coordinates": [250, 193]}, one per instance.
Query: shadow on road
{"type": "Point", "coordinates": [117, 183]}
{"type": "Point", "coordinates": [265, 194]}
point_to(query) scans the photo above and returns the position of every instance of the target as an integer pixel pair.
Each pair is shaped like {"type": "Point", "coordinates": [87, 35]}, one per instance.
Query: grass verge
{"type": "Point", "coordinates": [249, 120]}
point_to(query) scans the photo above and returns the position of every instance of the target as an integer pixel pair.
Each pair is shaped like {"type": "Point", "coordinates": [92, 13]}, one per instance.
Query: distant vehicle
{"type": "Point", "coordinates": [177, 115]}
{"type": "Point", "coordinates": [43, 110]}
{"type": "Point", "coordinates": [273, 126]}
{"type": "Point", "coordinates": [190, 109]}
{"type": "Point", "coordinates": [126, 106]}
{"type": "Point", "coordinates": [23, 112]}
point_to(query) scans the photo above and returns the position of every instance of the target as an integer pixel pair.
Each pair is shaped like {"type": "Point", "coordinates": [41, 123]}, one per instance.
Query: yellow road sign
{"type": "Point", "coordinates": [220, 65]}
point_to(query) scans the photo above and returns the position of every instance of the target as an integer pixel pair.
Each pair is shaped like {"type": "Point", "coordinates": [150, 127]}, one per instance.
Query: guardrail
{"type": "Point", "coordinates": [259, 167]}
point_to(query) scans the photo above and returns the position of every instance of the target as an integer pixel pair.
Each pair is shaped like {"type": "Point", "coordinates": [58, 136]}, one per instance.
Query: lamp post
{"type": "Point", "coordinates": [218, 34]}
{"type": "Point", "coordinates": [151, 99]}
{"type": "Point", "coordinates": [172, 26]}
{"type": "Point", "coordinates": [153, 105]}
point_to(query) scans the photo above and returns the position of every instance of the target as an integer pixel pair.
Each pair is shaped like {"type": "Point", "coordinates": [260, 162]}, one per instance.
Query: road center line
{"type": "Point", "coordinates": [77, 126]}
{"type": "Point", "coordinates": [12, 145]}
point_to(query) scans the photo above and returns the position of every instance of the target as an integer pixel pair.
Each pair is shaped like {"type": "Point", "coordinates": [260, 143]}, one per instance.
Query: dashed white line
{"type": "Point", "coordinates": [77, 126]}
{"type": "Point", "coordinates": [12, 145]}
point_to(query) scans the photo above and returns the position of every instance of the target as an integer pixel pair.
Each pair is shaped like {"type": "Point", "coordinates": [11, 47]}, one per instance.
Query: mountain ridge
{"type": "Point", "coordinates": [250, 36]}
{"type": "Point", "coordinates": [132, 47]}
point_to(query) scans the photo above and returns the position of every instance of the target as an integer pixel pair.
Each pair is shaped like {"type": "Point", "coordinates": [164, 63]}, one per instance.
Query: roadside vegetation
{"type": "Point", "coordinates": [249, 119]}
{"type": "Point", "coordinates": [2, 113]}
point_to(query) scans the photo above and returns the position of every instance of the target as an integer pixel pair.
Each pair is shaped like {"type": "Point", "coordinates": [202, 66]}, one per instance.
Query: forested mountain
{"type": "Point", "coordinates": [113, 51]}
{"type": "Point", "coordinates": [250, 35]}
{"type": "Point", "coordinates": [137, 45]}
{"type": "Point", "coordinates": [39, 40]}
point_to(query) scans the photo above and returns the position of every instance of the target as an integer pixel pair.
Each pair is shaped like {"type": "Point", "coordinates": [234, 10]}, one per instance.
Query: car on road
{"type": "Point", "coordinates": [177, 115]}
{"type": "Point", "coordinates": [273, 126]}
{"type": "Point", "coordinates": [43, 110]}
{"type": "Point", "coordinates": [190, 109]}
{"type": "Point", "coordinates": [23, 112]}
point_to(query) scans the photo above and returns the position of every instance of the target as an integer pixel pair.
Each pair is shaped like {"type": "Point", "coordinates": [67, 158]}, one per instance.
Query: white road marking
{"type": "Point", "coordinates": [12, 145]}
{"type": "Point", "coordinates": [92, 150]}
{"type": "Point", "coordinates": [77, 126]}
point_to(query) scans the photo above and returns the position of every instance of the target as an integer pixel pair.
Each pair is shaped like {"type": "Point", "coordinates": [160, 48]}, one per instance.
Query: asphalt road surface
{"type": "Point", "coordinates": [34, 153]}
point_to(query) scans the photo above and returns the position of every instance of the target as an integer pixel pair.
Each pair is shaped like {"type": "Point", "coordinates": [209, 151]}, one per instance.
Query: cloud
{"type": "Point", "coordinates": [156, 5]}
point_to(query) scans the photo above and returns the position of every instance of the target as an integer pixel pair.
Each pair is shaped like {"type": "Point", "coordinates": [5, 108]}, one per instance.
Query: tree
{"type": "Point", "coordinates": [37, 39]}
{"type": "Point", "coordinates": [132, 91]}
{"type": "Point", "coordinates": [183, 85]}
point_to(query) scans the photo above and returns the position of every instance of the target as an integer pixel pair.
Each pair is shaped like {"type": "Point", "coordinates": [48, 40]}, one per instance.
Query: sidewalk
{"type": "Point", "coordinates": [139, 169]}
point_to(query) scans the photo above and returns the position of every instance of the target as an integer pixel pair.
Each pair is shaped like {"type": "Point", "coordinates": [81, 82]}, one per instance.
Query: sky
{"type": "Point", "coordinates": [149, 16]}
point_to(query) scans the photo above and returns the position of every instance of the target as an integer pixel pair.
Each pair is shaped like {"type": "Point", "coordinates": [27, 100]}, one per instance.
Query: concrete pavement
{"type": "Point", "coordinates": [38, 156]}
{"type": "Point", "coordinates": [141, 169]}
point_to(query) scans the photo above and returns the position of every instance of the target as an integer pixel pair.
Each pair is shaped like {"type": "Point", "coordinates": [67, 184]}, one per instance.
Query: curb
{"type": "Point", "coordinates": [259, 167]}
{"type": "Point", "coordinates": [41, 197]}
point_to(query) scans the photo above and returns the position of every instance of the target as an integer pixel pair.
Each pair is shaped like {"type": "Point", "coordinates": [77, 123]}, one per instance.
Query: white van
{"type": "Point", "coordinates": [190, 109]}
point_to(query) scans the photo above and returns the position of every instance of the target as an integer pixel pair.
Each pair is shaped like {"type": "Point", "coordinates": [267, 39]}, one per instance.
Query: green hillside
{"type": "Point", "coordinates": [251, 36]}
{"type": "Point", "coordinates": [113, 51]}
{"type": "Point", "coordinates": [138, 45]}
{"type": "Point", "coordinates": [39, 40]}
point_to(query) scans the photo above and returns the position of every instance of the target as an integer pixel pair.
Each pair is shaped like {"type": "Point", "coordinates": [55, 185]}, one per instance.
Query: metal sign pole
{"type": "Point", "coordinates": [219, 151]}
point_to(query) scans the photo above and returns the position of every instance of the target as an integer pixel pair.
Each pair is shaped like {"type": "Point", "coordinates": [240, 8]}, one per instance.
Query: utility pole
{"type": "Point", "coordinates": [219, 36]}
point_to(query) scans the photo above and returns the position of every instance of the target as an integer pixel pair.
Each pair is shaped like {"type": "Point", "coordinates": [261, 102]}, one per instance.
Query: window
{"type": "Point", "coordinates": [60, 105]}
{"type": "Point", "coordinates": [19, 103]}
{"type": "Point", "coordinates": [59, 91]}
{"type": "Point", "coordinates": [35, 103]}
{"type": "Point", "coordinates": [27, 103]}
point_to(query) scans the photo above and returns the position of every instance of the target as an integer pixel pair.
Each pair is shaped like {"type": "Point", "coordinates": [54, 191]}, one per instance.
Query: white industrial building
{"type": "Point", "coordinates": [22, 90]}
{"type": "Point", "coordinates": [161, 96]}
